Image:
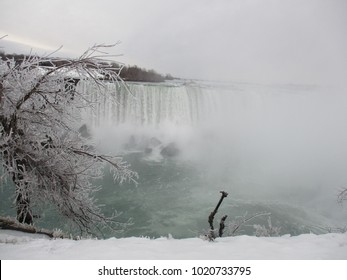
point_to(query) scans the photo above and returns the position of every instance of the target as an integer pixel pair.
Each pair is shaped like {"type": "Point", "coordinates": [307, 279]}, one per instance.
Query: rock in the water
{"type": "Point", "coordinates": [152, 144]}
{"type": "Point", "coordinates": [170, 150]}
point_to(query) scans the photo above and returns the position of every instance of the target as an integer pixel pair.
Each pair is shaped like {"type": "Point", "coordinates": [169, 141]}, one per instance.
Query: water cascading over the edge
{"type": "Point", "coordinates": [155, 104]}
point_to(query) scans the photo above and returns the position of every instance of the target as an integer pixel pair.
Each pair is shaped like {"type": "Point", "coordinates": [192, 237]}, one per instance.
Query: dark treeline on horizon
{"type": "Point", "coordinates": [135, 73]}
{"type": "Point", "coordinates": [128, 73]}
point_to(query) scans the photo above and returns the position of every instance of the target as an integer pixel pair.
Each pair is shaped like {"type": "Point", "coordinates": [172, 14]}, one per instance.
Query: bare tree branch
{"type": "Point", "coordinates": [10, 224]}
{"type": "Point", "coordinates": [211, 234]}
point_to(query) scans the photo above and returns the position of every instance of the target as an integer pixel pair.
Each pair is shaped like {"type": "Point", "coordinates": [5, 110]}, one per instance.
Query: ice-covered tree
{"type": "Point", "coordinates": [41, 148]}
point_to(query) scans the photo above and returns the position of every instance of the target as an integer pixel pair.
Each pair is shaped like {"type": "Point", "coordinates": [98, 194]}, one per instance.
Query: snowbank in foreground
{"type": "Point", "coordinates": [15, 245]}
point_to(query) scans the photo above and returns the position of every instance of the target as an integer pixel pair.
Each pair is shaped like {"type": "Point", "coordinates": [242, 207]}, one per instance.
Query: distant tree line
{"type": "Point", "coordinates": [135, 73]}
{"type": "Point", "coordinates": [128, 73]}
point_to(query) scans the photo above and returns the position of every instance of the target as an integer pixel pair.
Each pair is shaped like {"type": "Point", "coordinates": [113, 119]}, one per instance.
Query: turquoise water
{"type": "Point", "coordinates": [174, 197]}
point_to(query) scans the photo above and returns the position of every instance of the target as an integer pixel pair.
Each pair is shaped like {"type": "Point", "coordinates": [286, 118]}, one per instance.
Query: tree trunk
{"type": "Point", "coordinates": [24, 213]}
{"type": "Point", "coordinates": [10, 224]}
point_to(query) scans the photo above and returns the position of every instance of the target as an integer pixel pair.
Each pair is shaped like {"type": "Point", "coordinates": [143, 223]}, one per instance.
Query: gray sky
{"type": "Point", "coordinates": [249, 40]}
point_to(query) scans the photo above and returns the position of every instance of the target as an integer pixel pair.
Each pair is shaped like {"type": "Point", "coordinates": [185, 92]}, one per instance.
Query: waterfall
{"type": "Point", "coordinates": [154, 104]}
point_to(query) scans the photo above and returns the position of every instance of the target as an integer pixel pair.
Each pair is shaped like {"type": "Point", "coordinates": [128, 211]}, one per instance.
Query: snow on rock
{"type": "Point", "coordinates": [14, 245]}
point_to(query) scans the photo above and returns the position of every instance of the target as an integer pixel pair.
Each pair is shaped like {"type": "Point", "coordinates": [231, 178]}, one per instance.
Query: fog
{"type": "Point", "coordinates": [285, 142]}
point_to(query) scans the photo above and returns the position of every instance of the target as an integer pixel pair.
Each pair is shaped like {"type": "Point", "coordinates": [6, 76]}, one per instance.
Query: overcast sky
{"type": "Point", "coordinates": [249, 40]}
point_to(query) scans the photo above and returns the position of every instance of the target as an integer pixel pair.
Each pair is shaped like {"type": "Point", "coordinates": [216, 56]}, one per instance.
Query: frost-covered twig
{"type": "Point", "coordinates": [267, 231]}
{"type": "Point", "coordinates": [235, 227]}
{"type": "Point", "coordinates": [342, 196]}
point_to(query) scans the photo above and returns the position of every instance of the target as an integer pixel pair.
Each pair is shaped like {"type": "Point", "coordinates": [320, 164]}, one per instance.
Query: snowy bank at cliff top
{"type": "Point", "coordinates": [332, 246]}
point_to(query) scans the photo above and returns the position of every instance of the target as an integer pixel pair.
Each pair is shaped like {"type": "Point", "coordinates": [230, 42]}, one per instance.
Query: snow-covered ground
{"type": "Point", "coordinates": [332, 246]}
